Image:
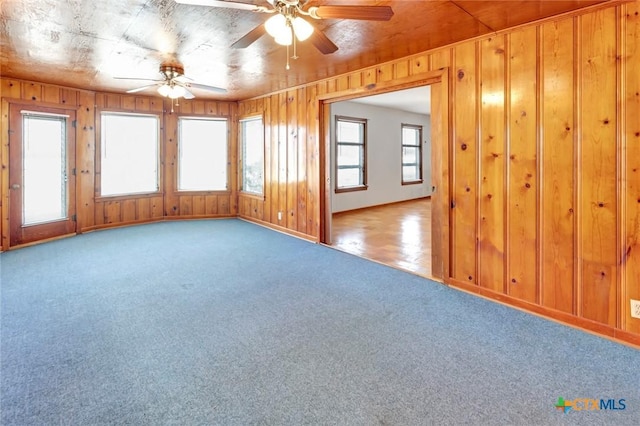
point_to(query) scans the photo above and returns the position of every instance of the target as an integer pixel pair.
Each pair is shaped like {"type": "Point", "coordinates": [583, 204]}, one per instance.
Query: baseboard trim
{"type": "Point", "coordinates": [158, 219]}
{"type": "Point", "coordinates": [428, 197]}
{"type": "Point", "coordinates": [583, 324]}
{"type": "Point", "coordinates": [279, 228]}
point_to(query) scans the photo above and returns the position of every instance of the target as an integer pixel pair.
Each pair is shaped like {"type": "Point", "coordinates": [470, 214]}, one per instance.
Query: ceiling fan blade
{"type": "Point", "coordinates": [250, 37]}
{"type": "Point", "coordinates": [140, 89]}
{"type": "Point", "coordinates": [188, 94]}
{"type": "Point", "coordinates": [322, 42]}
{"type": "Point", "coordinates": [205, 87]}
{"type": "Point", "coordinates": [135, 78]}
{"type": "Point", "coordinates": [225, 4]}
{"type": "Point", "coordinates": [366, 13]}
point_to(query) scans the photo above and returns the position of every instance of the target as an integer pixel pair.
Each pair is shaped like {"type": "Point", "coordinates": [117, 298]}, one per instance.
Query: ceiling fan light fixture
{"type": "Point", "coordinates": [171, 91]}
{"type": "Point", "coordinates": [164, 90]}
{"type": "Point", "coordinates": [285, 39]}
{"type": "Point", "coordinates": [276, 26]}
{"type": "Point", "coordinates": [177, 92]}
{"type": "Point", "coordinates": [302, 28]}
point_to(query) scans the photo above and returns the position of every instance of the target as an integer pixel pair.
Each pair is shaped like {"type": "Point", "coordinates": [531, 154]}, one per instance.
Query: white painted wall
{"type": "Point", "coordinates": [384, 157]}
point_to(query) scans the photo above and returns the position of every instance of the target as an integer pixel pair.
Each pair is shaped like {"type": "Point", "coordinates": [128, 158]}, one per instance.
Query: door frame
{"type": "Point", "coordinates": [440, 154]}
{"type": "Point", "coordinates": [60, 228]}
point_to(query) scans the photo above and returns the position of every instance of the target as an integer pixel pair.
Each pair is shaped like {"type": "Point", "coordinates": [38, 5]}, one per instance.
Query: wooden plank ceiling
{"type": "Point", "coordinates": [85, 44]}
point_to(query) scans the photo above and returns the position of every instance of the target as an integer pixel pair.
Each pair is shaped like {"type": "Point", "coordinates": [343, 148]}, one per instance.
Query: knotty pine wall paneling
{"type": "Point", "coordinates": [597, 166]}
{"type": "Point", "coordinates": [557, 166]}
{"type": "Point", "coordinates": [492, 164]}
{"type": "Point", "coordinates": [522, 185]}
{"type": "Point", "coordinates": [630, 161]}
{"type": "Point", "coordinates": [543, 164]}
{"type": "Point", "coordinates": [464, 176]}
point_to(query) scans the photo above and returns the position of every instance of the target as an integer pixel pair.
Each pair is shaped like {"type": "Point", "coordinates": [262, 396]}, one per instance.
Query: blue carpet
{"type": "Point", "coordinates": [225, 322]}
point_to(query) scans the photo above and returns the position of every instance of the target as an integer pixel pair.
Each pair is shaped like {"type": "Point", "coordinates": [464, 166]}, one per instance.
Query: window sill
{"type": "Point", "coordinates": [352, 189]}
{"type": "Point", "coordinates": [203, 192]}
{"type": "Point", "coordinates": [253, 195]}
{"type": "Point", "coordinates": [101, 198]}
{"type": "Point", "coordinates": [413, 182]}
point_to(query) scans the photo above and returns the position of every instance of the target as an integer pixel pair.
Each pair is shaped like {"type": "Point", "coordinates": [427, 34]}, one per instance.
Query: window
{"type": "Point", "coordinates": [411, 154]}
{"type": "Point", "coordinates": [129, 154]}
{"type": "Point", "coordinates": [202, 158]}
{"type": "Point", "coordinates": [44, 168]}
{"type": "Point", "coordinates": [252, 140]}
{"type": "Point", "coordinates": [351, 141]}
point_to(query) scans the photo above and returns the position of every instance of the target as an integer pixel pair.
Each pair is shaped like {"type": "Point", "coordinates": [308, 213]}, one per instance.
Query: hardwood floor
{"type": "Point", "coordinates": [396, 234]}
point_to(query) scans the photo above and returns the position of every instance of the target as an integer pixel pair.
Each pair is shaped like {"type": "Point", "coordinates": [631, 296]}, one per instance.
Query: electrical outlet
{"type": "Point", "coordinates": [635, 308]}
{"type": "Point", "coordinates": [279, 215]}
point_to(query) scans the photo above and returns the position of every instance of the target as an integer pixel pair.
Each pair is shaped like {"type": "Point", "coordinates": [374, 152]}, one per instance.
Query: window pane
{"type": "Point", "coordinates": [350, 152]}
{"type": "Point", "coordinates": [349, 132]}
{"type": "Point", "coordinates": [349, 177]}
{"type": "Point", "coordinates": [252, 156]}
{"type": "Point", "coordinates": [44, 169]}
{"type": "Point", "coordinates": [349, 155]}
{"type": "Point", "coordinates": [410, 173]}
{"type": "Point", "coordinates": [409, 155]}
{"type": "Point", "coordinates": [410, 136]}
{"type": "Point", "coordinates": [129, 154]}
{"type": "Point", "coordinates": [202, 164]}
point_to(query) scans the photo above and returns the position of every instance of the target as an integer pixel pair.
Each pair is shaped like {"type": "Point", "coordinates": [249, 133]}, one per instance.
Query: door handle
{"type": "Point", "coordinates": [15, 186]}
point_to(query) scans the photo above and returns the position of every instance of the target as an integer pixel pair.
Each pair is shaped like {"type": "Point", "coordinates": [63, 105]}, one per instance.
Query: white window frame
{"type": "Point", "coordinates": [243, 147]}
{"type": "Point", "coordinates": [105, 148]}
{"type": "Point", "coordinates": [179, 176]}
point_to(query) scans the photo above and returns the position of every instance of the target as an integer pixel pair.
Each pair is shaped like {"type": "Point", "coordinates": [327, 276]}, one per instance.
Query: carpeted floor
{"type": "Point", "coordinates": [225, 322]}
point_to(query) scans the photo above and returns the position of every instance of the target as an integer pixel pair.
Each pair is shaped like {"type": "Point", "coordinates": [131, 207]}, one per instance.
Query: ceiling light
{"type": "Point", "coordinates": [171, 91]}
{"type": "Point", "coordinates": [276, 26]}
{"type": "Point", "coordinates": [285, 39]}
{"type": "Point", "coordinates": [164, 90]}
{"type": "Point", "coordinates": [285, 25]}
{"type": "Point", "coordinates": [302, 28]}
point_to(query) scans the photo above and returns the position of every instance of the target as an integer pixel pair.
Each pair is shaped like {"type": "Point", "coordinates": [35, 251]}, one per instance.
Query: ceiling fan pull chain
{"type": "Point", "coordinates": [287, 67]}
{"type": "Point", "coordinates": [295, 45]}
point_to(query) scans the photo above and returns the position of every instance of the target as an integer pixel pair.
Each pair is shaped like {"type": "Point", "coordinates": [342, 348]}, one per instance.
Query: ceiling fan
{"type": "Point", "coordinates": [287, 23]}
{"type": "Point", "coordinates": [174, 83]}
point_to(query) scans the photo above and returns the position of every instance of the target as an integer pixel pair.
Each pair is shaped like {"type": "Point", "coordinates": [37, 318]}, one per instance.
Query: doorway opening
{"type": "Point", "coordinates": [381, 192]}
{"type": "Point", "coordinates": [384, 195]}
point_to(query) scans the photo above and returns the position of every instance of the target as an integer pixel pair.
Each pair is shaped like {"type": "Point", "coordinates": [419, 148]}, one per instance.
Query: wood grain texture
{"type": "Point", "coordinates": [598, 166]}
{"type": "Point", "coordinates": [557, 166]}
{"type": "Point", "coordinates": [631, 157]}
{"type": "Point", "coordinates": [301, 163]}
{"type": "Point", "coordinates": [292, 159]}
{"type": "Point", "coordinates": [492, 165]}
{"type": "Point", "coordinates": [397, 234]}
{"type": "Point", "coordinates": [464, 163]}
{"type": "Point", "coordinates": [85, 158]}
{"type": "Point", "coordinates": [522, 205]}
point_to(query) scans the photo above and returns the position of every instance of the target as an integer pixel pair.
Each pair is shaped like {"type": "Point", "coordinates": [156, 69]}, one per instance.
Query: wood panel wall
{"type": "Point", "coordinates": [544, 163]}
{"type": "Point", "coordinates": [94, 211]}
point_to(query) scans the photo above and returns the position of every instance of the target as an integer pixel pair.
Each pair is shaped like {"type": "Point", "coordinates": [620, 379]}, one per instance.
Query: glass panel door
{"type": "Point", "coordinates": [44, 169]}
{"type": "Point", "coordinates": [41, 173]}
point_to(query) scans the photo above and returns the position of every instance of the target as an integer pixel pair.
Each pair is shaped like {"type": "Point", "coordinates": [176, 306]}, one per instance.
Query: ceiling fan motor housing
{"type": "Point", "coordinates": [171, 71]}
